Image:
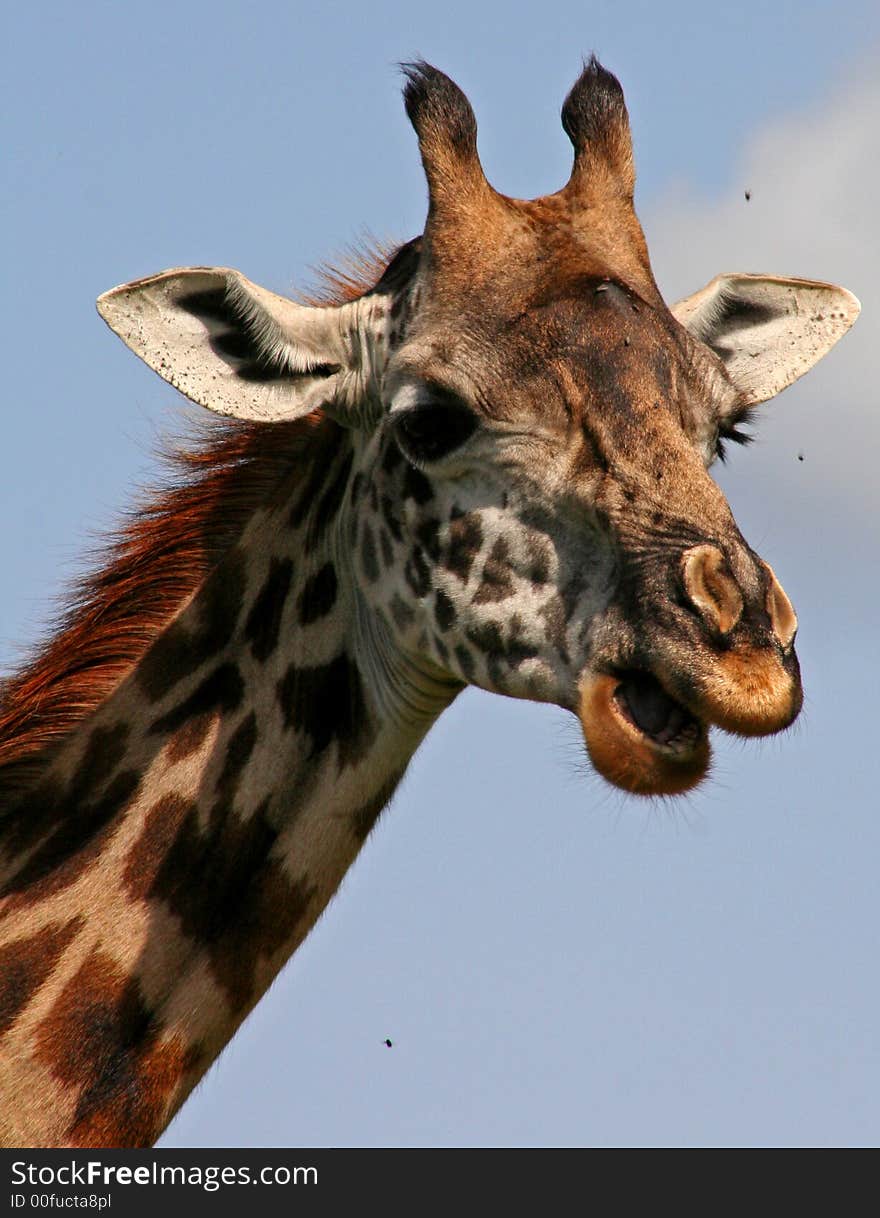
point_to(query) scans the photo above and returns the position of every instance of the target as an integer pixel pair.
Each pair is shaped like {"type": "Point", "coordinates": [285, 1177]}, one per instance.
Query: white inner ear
{"type": "Point", "coordinates": [767, 330]}
{"type": "Point", "coordinates": [234, 347]}
{"type": "Point", "coordinates": [288, 337]}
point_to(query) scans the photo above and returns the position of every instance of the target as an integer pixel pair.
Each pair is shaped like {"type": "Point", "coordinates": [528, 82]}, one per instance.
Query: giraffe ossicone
{"type": "Point", "coordinates": [488, 466]}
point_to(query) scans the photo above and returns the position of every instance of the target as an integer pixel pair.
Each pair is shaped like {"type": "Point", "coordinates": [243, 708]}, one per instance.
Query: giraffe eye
{"type": "Point", "coordinates": [433, 427]}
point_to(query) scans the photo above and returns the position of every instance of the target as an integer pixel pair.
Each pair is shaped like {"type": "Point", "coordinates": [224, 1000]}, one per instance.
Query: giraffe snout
{"type": "Point", "coordinates": [782, 615]}
{"type": "Point", "coordinates": [715, 594]}
{"type": "Point", "coordinates": [711, 588]}
{"type": "Point", "coordinates": [749, 682]}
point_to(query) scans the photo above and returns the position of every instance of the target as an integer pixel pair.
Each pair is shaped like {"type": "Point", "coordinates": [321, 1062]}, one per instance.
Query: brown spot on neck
{"type": "Point", "coordinates": [190, 738]}
{"type": "Point", "coordinates": [26, 963]}
{"type": "Point", "coordinates": [100, 1039]}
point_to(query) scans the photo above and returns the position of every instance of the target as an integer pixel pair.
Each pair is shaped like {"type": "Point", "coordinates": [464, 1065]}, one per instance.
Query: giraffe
{"type": "Point", "coordinates": [486, 463]}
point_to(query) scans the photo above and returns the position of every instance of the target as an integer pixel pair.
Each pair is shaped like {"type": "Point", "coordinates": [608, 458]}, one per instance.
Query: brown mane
{"type": "Point", "coordinates": [358, 269]}
{"type": "Point", "coordinates": [154, 563]}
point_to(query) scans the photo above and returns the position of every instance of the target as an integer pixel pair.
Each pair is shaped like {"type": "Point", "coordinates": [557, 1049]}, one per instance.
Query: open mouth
{"type": "Point", "coordinates": [639, 737]}
{"type": "Point", "coordinates": [646, 705]}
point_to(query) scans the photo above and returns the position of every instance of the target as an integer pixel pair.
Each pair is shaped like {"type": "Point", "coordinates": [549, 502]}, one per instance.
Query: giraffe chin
{"type": "Point", "coordinates": [639, 738]}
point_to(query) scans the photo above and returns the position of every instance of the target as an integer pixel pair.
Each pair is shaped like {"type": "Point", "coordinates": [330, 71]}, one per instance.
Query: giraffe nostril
{"type": "Point", "coordinates": [781, 610]}
{"type": "Point", "coordinates": [711, 589]}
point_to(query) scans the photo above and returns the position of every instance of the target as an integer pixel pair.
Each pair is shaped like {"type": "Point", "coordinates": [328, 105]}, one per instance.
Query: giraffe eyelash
{"type": "Point", "coordinates": [731, 430]}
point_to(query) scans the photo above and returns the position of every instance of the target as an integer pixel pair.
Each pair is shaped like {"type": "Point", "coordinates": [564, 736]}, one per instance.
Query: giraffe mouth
{"type": "Point", "coordinates": [645, 704]}
{"type": "Point", "coordinates": [639, 737]}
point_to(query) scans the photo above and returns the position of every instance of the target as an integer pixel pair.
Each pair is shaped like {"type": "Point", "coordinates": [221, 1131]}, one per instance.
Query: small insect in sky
{"type": "Point", "coordinates": [748, 195]}
{"type": "Point", "coordinates": [388, 1043]}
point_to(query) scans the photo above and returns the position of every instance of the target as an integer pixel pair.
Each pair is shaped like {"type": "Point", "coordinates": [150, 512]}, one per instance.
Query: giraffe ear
{"type": "Point", "coordinates": [768, 331]}
{"type": "Point", "coordinates": [237, 348]}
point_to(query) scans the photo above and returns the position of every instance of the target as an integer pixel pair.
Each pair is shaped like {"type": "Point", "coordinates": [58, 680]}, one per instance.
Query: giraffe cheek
{"type": "Point", "coordinates": [627, 757]}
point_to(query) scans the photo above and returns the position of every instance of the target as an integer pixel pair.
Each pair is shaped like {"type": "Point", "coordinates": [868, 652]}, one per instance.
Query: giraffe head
{"type": "Point", "coordinates": [526, 499]}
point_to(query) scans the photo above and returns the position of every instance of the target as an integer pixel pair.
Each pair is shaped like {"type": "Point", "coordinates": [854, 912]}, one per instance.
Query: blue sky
{"type": "Point", "coordinates": [555, 964]}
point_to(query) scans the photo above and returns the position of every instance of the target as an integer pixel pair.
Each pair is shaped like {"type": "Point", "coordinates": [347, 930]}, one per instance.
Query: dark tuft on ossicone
{"type": "Point", "coordinates": [595, 106]}
{"type": "Point", "coordinates": [436, 107]}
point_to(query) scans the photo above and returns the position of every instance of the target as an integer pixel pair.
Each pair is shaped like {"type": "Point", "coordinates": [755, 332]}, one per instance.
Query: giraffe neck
{"type": "Point", "coordinates": [189, 833]}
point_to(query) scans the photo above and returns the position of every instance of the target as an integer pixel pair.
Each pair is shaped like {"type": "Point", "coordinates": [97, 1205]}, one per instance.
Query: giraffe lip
{"type": "Point", "coordinates": [645, 705]}
{"type": "Point", "coordinates": [639, 737]}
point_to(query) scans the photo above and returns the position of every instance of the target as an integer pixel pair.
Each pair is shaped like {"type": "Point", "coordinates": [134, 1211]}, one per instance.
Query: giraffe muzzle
{"type": "Point", "coordinates": [748, 682]}
{"type": "Point", "coordinates": [715, 595]}
{"type": "Point", "coordinates": [647, 729]}
{"type": "Point", "coordinates": [711, 589]}
{"type": "Point", "coordinates": [640, 738]}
